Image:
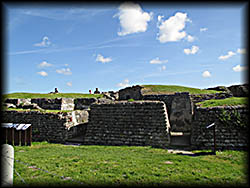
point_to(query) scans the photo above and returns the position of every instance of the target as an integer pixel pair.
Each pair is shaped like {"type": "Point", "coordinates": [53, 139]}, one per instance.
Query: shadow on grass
{"type": "Point", "coordinates": [198, 154]}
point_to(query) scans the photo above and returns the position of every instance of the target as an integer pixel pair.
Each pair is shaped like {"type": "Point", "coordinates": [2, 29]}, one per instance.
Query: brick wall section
{"type": "Point", "coordinates": [229, 135]}
{"type": "Point", "coordinates": [51, 127]}
{"type": "Point", "coordinates": [142, 123]}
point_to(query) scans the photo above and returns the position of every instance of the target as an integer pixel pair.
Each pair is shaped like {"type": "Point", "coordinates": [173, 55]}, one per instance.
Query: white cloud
{"type": "Point", "coordinates": [192, 50]}
{"type": "Point", "coordinates": [44, 43]}
{"type": "Point", "coordinates": [241, 51]}
{"type": "Point", "coordinates": [42, 73]}
{"type": "Point", "coordinates": [163, 67]}
{"type": "Point", "coordinates": [224, 57]}
{"type": "Point", "coordinates": [171, 29]}
{"type": "Point", "coordinates": [190, 38]}
{"type": "Point", "coordinates": [239, 68]}
{"type": "Point", "coordinates": [69, 84]}
{"type": "Point", "coordinates": [206, 74]}
{"type": "Point", "coordinates": [158, 61]}
{"type": "Point", "coordinates": [101, 59]}
{"type": "Point", "coordinates": [203, 29]}
{"type": "Point", "coordinates": [125, 83]}
{"type": "Point", "coordinates": [44, 64]}
{"type": "Point", "coordinates": [64, 71]}
{"type": "Point", "coordinates": [132, 18]}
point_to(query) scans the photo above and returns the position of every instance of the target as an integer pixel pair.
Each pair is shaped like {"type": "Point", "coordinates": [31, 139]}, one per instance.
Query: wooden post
{"type": "Point", "coordinates": [29, 136]}
{"type": "Point", "coordinates": [16, 137]}
{"type": "Point", "coordinates": [10, 136]}
{"type": "Point", "coordinates": [4, 134]}
{"type": "Point", "coordinates": [23, 137]}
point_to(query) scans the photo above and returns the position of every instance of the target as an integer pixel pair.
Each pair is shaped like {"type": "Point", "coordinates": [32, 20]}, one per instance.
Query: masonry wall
{"type": "Point", "coordinates": [133, 92]}
{"type": "Point", "coordinates": [230, 134]}
{"type": "Point", "coordinates": [167, 99]}
{"type": "Point", "coordinates": [51, 127]}
{"type": "Point", "coordinates": [180, 109]}
{"type": "Point", "coordinates": [142, 123]}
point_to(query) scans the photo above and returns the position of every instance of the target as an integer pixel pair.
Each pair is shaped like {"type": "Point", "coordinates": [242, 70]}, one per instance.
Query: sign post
{"type": "Point", "coordinates": [213, 125]}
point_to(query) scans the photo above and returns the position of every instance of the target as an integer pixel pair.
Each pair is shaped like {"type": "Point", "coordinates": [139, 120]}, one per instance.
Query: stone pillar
{"type": "Point", "coordinates": [7, 164]}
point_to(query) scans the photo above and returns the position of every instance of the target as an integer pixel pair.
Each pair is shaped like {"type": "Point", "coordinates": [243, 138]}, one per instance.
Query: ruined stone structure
{"type": "Point", "coordinates": [239, 90]}
{"type": "Point", "coordinates": [134, 92]}
{"type": "Point", "coordinates": [143, 123]}
{"type": "Point", "coordinates": [230, 134]}
{"type": "Point", "coordinates": [51, 127]}
{"type": "Point", "coordinates": [55, 104]}
{"type": "Point", "coordinates": [151, 120]}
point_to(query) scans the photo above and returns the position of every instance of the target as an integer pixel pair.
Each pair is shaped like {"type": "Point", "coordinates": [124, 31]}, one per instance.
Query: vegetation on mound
{"type": "Point", "coordinates": [125, 165]}
{"type": "Point", "coordinates": [50, 95]}
{"type": "Point", "coordinates": [170, 89]}
{"type": "Point", "coordinates": [232, 101]}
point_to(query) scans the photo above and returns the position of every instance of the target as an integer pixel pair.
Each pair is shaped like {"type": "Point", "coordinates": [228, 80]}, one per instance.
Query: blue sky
{"type": "Point", "coordinates": [77, 47]}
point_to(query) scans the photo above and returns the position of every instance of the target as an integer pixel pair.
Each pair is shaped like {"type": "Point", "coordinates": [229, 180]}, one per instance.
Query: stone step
{"type": "Point", "coordinates": [180, 140]}
{"type": "Point", "coordinates": [75, 140]}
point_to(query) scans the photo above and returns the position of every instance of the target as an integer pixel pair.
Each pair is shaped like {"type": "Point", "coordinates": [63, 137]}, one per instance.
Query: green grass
{"type": "Point", "coordinates": [169, 89]}
{"type": "Point", "coordinates": [126, 165]}
{"type": "Point", "coordinates": [50, 96]}
{"type": "Point", "coordinates": [232, 101]}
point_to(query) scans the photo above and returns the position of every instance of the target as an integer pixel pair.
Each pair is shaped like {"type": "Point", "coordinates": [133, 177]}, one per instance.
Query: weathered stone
{"type": "Point", "coordinates": [120, 124]}
{"type": "Point", "coordinates": [133, 92]}
{"type": "Point", "coordinates": [239, 90]}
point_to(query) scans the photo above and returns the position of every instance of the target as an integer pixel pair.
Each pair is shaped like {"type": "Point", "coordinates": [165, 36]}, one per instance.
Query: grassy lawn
{"type": "Point", "coordinates": [50, 96]}
{"type": "Point", "coordinates": [126, 165]}
{"type": "Point", "coordinates": [169, 89]}
{"type": "Point", "coordinates": [232, 101]}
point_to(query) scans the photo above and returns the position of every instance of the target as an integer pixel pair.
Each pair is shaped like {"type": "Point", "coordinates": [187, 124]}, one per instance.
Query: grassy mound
{"type": "Point", "coordinates": [170, 89]}
{"type": "Point", "coordinates": [232, 101]}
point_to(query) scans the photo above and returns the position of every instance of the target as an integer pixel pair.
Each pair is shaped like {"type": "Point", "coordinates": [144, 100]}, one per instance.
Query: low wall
{"type": "Point", "coordinates": [142, 123]}
{"type": "Point", "coordinates": [54, 104]}
{"type": "Point", "coordinates": [51, 127]}
{"type": "Point", "coordinates": [167, 99]}
{"type": "Point", "coordinates": [84, 103]}
{"type": "Point", "coordinates": [231, 127]}
{"type": "Point", "coordinates": [203, 97]}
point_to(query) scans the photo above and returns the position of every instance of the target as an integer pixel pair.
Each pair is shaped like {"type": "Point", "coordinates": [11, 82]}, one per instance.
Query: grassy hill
{"type": "Point", "coordinates": [170, 89]}
{"type": "Point", "coordinates": [50, 96]}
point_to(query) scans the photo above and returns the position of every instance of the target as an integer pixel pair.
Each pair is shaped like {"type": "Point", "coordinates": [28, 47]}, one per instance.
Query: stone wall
{"type": "Point", "coordinates": [84, 103]}
{"type": "Point", "coordinates": [142, 123]}
{"type": "Point", "coordinates": [181, 115]}
{"type": "Point", "coordinates": [230, 132]}
{"type": "Point", "coordinates": [167, 99]}
{"type": "Point", "coordinates": [54, 104]}
{"type": "Point", "coordinates": [133, 92]}
{"type": "Point", "coordinates": [51, 127]}
{"type": "Point", "coordinates": [239, 90]}
{"type": "Point", "coordinates": [180, 109]}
